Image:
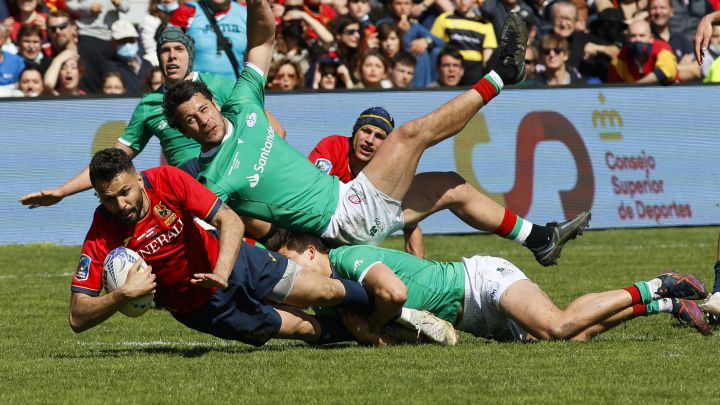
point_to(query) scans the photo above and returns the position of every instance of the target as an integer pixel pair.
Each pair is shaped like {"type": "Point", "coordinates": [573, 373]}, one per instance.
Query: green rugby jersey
{"type": "Point", "coordinates": [258, 174]}
{"type": "Point", "coordinates": [148, 121]}
{"type": "Point", "coordinates": [438, 287]}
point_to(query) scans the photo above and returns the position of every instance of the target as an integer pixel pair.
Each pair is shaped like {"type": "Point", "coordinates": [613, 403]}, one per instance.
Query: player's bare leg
{"type": "Point", "coordinates": [436, 191]}
{"type": "Point", "coordinates": [393, 168]}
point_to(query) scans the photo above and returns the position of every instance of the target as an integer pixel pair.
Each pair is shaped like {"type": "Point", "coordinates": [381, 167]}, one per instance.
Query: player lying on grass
{"type": "Point", "coordinates": [259, 175]}
{"type": "Point", "coordinates": [487, 296]}
{"type": "Point", "coordinates": [219, 286]}
{"type": "Point", "coordinates": [176, 52]}
{"type": "Point", "coordinates": [711, 307]}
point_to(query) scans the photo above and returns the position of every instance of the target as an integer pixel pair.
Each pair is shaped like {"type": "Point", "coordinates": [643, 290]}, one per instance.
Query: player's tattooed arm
{"type": "Point", "coordinates": [231, 233]}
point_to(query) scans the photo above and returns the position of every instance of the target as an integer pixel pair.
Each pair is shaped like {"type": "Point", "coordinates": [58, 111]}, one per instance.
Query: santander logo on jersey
{"type": "Point", "coordinates": [259, 167]}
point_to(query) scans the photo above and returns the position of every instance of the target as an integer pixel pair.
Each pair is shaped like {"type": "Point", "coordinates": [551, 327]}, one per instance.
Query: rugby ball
{"type": "Point", "coordinates": [115, 270]}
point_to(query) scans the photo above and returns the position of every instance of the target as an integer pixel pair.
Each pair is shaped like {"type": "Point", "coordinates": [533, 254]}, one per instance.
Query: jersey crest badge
{"type": "Point", "coordinates": [83, 271]}
{"type": "Point", "coordinates": [251, 120]}
{"type": "Point", "coordinates": [165, 214]}
{"type": "Point", "coordinates": [324, 165]}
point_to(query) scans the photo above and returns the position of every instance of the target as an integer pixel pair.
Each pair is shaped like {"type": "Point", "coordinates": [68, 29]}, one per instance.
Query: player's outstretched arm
{"type": "Point", "coordinates": [87, 312]}
{"type": "Point", "coordinates": [703, 34]}
{"type": "Point", "coordinates": [389, 291]}
{"type": "Point", "coordinates": [231, 233]}
{"type": "Point", "coordinates": [359, 327]}
{"type": "Point", "coordinates": [79, 183]}
{"type": "Point", "coordinates": [261, 34]}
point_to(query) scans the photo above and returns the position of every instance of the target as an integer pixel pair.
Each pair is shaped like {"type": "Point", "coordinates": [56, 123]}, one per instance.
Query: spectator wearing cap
{"type": "Point", "coordinates": [471, 34]}
{"type": "Point", "coordinates": [450, 69]}
{"type": "Point", "coordinates": [126, 60]}
{"type": "Point", "coordinates": [94, 19]}
{"type": "Point", "coordinates": [644, 59]}
{"type": "Point", "coordinates": [62, 33]}
{"type": "Point", "coordinates": [402, 69]}
{"type": "Point", "coordinates": [660, 13]}
{"type": "Point", "coordinates": [418, 40]}
{"type": "Point", "coordinates": [345, 157]}
{"type": "Point", "coordinates": [210, 54]}
{"type": "Point", "coordinates": [11, 65]}
{"type": "Point", "coordinates": [331, 74]}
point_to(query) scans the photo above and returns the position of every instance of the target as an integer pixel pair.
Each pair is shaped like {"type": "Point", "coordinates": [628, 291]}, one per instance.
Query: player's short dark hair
{"type": "Point", "coordinates": [404, 58]}
{"type": "Point", "coordinates": [295, 241]}
{"type": "Point", "coordinates": [179, 93]}
{"type": "Point", "coordinates": [106, 164]}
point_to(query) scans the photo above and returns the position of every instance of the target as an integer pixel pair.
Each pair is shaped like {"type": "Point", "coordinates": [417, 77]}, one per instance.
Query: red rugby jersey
{"type": "Point", "coordinates": [332, 156]}
{"type": "Point", "coordinates": [168, 238]}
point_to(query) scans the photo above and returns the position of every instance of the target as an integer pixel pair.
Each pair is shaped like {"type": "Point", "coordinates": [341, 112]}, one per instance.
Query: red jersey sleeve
{"type": "Point", "coordinates": [182, 17]}
{"type": "Point", "coordinates": [88, 275]}
{"type": "Point", "coordinates": [330, 155]}
{"type": "Point", "coordinates": [189, 193]}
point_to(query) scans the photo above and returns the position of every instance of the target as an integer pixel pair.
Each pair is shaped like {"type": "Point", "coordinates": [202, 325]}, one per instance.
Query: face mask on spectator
{"type": "Point", "coordinates": [168, 8]}
{"type": "Point", "coordinates": [640, 49]}
{"type": "Point", "coordinates": [128, 51]}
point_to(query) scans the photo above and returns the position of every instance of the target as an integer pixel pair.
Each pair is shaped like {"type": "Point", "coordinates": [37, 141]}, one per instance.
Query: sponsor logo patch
{"type": "Point", "coordinates": [357, 264]}
{"type": "Point", "coordinates": [83, 271]}
{"type": "Point", "coordinates": [251, 120]}
{"type": "Point", "coordinates": [504, 271]}
{"type": "Point", "coordinates": [254, 180]}
{"type": "Point", "coordinates": [324, 165]}
{"type": "Point", "coordinates": [165, 214]}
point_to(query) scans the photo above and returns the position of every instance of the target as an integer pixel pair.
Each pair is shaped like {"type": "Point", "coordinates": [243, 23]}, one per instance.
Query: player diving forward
{"type": "Point", "coordinates": [259, 175]}
{"type": "Point", "coordinates": [487, 296]}
{"type": "Point", "coordinates": [219, 286]}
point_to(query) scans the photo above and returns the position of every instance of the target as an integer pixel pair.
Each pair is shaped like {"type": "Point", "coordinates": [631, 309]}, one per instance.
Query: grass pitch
{"type": "Point", "coordinates": [153, 359]}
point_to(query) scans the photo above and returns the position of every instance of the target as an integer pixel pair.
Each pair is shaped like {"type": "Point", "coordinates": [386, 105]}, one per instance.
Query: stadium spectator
{"type": "Point", "coordinates": [30, 44]}
{"type": "Point", "coordinates": [346, 156]}
{"type": "Point", "coordinates": [25, 12]}
{"type": "Point", "coordinates": [113, 84]}
{"type": "Point", "coordinates": [31, 82]}
{"type": "Point", "coordinates": [488, 297]}
{"type": "Point", "coordinates": [555, 55]}
{"type": "Point", "coordinates": [471, 34]}
{"type": "Point", "coordinates": [63, 76]}
{"type": "Point", "coordinates": [606, 39]}
{"type": "Point", "coordinates": [660, 13]}
{"type": "Point", "coordinates": [94, 19]}
{"type": "Point", "coordinates": [644, 59]}
{"type": "Point", "coordinates": [63, 35]}
{"type": "Point", "coordinates": [126, 58]}
{"type": "Point", "coordinates": [10, 65]}
{"type": "Point", "coordinates": [348, 37]}
{"type": "Point", "coordinates": [296, 45]}
{"type": "Point", "coordinates": [631, 10]}
{"type": "Point", "coordinates": [542, 16]}
{"type": "Point", "coordinates": [284, 75]}
{"type": "Point", "coordinates": [372, 71]}
{"type": "Point", "coordinates": [390, 38]}
{"type": "Point", "coordinates": [153, 80]}
{"type": "Point", "coordinates": [320, 11]}
{"type": "Point", "coordinates": [564, 23]}
{"type": "Point", "coordinates": [402, 70]}
{"type": "Point", "coordinates": [211, 54]}
{"type": "Point", "coordinates": [713, 51]}
{"type": "Point", "coordinates": [331, 74]}
{"type": "Point", "coordinates": [360, 10]}
{"type": "Point", "coordinates": [157, 16]}
{"type": "Point", "coordinates": [532, 59]}
{"type": "Point", "coordinates": [450, 68]}
{"type": "Point", "coordinates": [418, 40]}
{"type": "Point", "coordinates": [687, 15]}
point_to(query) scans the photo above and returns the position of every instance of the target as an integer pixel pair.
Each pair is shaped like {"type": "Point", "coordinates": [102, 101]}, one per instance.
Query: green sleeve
{"type": "Point", "coordinates": [135, 135]}
{"type": "Point", "coordinates": [215, 188]}
{"type": "Point", "coordinates": [353, 262]}
{"type": "Point", "coordinates": [220, 86]}
{"type": "Point", "coordinates": [248, 89]}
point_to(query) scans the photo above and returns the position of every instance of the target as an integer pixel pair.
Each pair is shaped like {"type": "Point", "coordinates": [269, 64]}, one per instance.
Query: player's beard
{"type": "Point", "coordinates": [133, 215]}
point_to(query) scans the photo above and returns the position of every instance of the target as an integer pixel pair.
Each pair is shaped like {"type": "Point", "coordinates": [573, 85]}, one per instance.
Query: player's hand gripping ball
{"type": "Point", "coordinates": [115, 271]}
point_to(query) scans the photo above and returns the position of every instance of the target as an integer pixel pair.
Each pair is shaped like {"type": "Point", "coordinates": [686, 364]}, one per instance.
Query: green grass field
{"type": "Point", "coordinates": [154, 359]}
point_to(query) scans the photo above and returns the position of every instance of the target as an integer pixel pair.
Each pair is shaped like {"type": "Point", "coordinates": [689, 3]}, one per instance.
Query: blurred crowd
{"type": "Point", "coordinates": [79, 47]}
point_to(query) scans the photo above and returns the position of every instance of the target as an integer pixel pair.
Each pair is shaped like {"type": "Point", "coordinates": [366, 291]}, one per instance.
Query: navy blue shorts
{"type": "Point", "coordinates": [240, 311]}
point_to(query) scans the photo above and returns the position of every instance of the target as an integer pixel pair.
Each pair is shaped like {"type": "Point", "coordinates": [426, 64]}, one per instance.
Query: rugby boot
{"type": "Point", "coordinates": [548, 254]}
{"type": "Point", "coordinates": [433, 329]}
{"type": "Point", "coordinates": [510, 64]}
{"type": "Point", "coordinates": [711, 308]}
{"type": "Point", "coordinates": [689, 313]}
{"type": "Point", "coordinates": [676, 285]}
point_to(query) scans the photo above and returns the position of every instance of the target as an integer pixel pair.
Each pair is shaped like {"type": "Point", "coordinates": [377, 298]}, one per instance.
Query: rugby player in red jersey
{"type": "Point", "coordinates": [219, 286]}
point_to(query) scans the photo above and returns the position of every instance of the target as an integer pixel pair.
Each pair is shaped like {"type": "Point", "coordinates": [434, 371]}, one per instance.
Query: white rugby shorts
{"type": "Point", "coordinates": [486, 279]}
{"type": "Point", "coordinates": [364, 215]}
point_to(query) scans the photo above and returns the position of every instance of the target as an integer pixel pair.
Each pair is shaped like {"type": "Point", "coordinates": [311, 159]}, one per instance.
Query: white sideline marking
{"type": "Point", "coordinates": [41, 275]}
{"type": "Point", "coordinates": [154, 343]}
